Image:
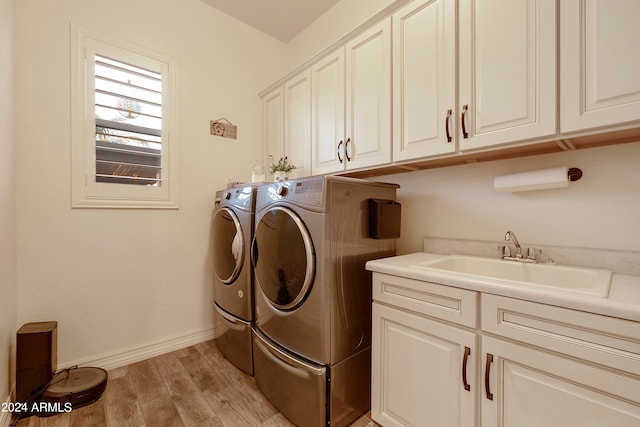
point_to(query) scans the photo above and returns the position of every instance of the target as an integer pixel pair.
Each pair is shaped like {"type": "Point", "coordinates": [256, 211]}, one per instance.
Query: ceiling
{"type": "Point", "coordinates": [282, 19]}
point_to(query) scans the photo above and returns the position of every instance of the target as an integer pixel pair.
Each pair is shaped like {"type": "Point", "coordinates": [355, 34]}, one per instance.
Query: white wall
{"type": "Point", "coordinates": [120, 279]}
{"type": "Point", "coordinates": [601, 210]}
{"type": "Point", "coordinates": [331, 26]}
{"type": "Point", "coordinates": [8, 241]}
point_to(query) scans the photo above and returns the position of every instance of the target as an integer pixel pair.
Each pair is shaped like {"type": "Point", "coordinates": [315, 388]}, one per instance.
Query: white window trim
{"type": "Point", "coordinates": [85, 192]}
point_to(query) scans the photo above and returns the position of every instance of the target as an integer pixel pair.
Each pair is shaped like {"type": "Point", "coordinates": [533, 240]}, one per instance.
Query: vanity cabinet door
{"type": "Point", "coordinates": [526, 387]}
{"type": "Point", "coordinates": [420, 368]}
{"type": "Point", "coordinates": [599, 67]}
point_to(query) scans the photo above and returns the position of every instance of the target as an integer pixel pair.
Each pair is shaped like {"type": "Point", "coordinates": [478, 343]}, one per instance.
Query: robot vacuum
{"type": "Point", "coordinates": [74, 388]}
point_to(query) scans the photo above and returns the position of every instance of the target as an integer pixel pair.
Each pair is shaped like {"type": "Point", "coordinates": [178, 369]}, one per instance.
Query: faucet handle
{"type": "Point", "coordinates": [532, 253]}
{"type": "Point", "coordinates": [506, 251]}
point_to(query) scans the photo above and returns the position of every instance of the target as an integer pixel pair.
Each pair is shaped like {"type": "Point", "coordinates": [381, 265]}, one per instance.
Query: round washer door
{"type": "Point", "coordinates": [228, 245]}
{"type": "Point", "coordinates": [283, 258]}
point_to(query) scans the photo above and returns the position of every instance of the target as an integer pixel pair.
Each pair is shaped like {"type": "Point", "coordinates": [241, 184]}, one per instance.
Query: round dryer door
{"type": "Point", "coordinates": [283, 258]}
{"type": "Point", "coordinates": [228, 245]}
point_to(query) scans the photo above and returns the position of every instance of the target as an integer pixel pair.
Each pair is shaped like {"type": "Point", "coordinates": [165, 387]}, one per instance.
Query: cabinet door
{"type": "Point", "coordinates": [533, 388]}
{"type": "Point", "coordinates": [419, 371]}
{"type": "Point", "coordinates": [507, 70]}
{"type": "Point", "coordinates": [368, 97]}
{"type": "Point", "coordinates": [273, 123]}
{"type": "Point", "coordinates": [424, 78]}
{"type": "Point", "coordinates": [327, 114]}
{"type": "Point", "coordinates": [599, 66]}
{"type": "Point", "coordinates": [297, 123]}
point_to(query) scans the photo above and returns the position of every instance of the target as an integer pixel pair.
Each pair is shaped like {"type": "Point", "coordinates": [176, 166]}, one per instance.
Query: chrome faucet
{"type": "Point", "coordinates": [506, 250]}
{"type": "Point", "coordinates": [510, 236]}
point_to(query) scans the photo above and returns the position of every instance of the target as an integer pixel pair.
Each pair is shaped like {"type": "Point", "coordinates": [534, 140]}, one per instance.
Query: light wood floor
{"type": "Point", "coordinates": [195, 386]}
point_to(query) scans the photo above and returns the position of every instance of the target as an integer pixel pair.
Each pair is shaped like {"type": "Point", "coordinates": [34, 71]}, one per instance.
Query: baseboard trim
{"type": "Point", "coordinates": [128, 355]}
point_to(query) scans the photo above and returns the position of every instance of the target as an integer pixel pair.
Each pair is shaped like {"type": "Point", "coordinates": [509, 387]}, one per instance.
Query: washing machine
{"type": "Point", "coordinates": [232, 232]}
{"type": "Point", "coordinates": [312, 334]}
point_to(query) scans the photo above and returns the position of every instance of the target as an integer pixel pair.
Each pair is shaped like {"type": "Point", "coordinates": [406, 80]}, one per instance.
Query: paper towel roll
{"type": "Point", "coordinates": [533, 180]}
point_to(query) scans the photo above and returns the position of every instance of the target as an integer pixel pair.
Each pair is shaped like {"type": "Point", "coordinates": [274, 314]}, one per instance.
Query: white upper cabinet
{"type": "Point", "coordinates": [599, 63]}
{"type": "Point", "coordinates": [297, 122]}
{"type": "Point", "coordinates": [286, 122]}
{"type": "Point", "coordinates": [424, 78]}
{"type": "Point", "coordinates": [273, 123]}
{"type": "Point", "coordinates": [507, 66]}
{"type": "Point", "coordinates": [327, 123]}
{"type": "Point", "coordinates": [368, 98]}
{"type": "Point", "coordinates": [463, 78]}
{"type": "Point", "coordinates": [351, 104]}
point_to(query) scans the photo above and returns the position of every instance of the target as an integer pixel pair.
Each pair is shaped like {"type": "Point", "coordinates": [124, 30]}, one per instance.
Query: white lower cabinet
{"type": "Point", "coordinates": [525, 365]}
{"type": "Point", "coordinates": [422, 371]}
{"type": "Point", "coordinates": [583, 371]}
{"type": "Point", "coordinates": [526, 387]}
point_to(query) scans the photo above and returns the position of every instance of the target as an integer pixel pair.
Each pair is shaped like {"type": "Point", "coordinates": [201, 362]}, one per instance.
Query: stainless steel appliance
{"type": "Point", "coordinates": [232, 232]}
{"type": "Point", "coordinates": [312, 336]}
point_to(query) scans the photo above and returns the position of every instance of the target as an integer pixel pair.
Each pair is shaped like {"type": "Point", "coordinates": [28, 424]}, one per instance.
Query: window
{"type": "Point", "coordinates": [122, 153]}
{"type": "Point", "coordinates": [128, 102]}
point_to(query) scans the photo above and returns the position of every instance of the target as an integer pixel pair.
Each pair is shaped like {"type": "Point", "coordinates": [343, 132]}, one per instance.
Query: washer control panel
{"type": "Point", "coordinates": [240, 197]}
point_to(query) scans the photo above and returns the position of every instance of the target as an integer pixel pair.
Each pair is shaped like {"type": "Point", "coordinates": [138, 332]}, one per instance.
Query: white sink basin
{"type": "Point", "coordinates": [562, 277]}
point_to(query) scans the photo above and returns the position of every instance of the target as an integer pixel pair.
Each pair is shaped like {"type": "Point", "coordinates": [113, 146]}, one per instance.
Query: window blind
{"type": "Point", "coordinates": [128, 118]}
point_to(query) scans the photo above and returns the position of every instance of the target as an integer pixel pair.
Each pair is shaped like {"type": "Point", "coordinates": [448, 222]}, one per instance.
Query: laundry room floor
{"type": "Point", "coordinates": [195, 386]}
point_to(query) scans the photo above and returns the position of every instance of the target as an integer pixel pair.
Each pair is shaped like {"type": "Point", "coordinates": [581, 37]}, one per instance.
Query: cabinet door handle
{"type": "Point", "coordinates": [467, 353]}
{"type": "Point", "coordinates": [347, 149]}
{"type": "Point", "coordinates": [338, 150]}
{"type": "Point", "coordinates": [446, 125]}
{"type": "Point", "coordinates": [465, 109]}
{"type": "Point", "coordinates": [487, 374]}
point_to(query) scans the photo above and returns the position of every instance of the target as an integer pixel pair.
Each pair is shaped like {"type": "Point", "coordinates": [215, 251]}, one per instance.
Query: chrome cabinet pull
{"type": "Point", "coordinates": [446, 125]}
{"type": "Point", "coordinates": [487, 374]}
{"type": "Point", "coordinates": [338, 150]}
{"type": "Point", "coordinates": [465, 108]}
{"type": "Point", "coordinates": [347, 149]}
{"type": "Point", "coordinates": [467, 353]}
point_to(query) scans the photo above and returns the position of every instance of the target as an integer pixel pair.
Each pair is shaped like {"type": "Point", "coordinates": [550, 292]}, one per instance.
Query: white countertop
{"type": "Point", "coordinates": [623, 300]}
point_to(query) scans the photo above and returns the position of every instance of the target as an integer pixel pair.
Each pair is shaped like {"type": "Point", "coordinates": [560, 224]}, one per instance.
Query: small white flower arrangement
{"type": "Point", "coordinates": [283, 165]}
{"type": "Point", "coordinates": [281, 169]}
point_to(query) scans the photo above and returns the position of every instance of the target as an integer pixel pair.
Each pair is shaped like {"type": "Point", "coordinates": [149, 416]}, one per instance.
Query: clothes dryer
{"type": "Point", "coordinates": [232, 232]}
{"type": "Point", "coordinates": [312, 336]}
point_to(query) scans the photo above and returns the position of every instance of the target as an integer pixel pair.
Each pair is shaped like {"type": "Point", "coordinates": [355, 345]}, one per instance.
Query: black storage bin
{"type": "Point", "coordinates": [384, 219]}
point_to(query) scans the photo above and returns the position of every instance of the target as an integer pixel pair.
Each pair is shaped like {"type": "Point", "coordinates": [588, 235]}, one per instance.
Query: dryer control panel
{"type": "Point", "coordinates": [304, 191]}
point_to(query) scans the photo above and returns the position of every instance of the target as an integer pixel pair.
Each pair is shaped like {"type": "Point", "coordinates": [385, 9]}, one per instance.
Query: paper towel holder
{"type": "Point", "coordinates": [574, 174]}
{"type": "Point", "coordinates": [542, 179]}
